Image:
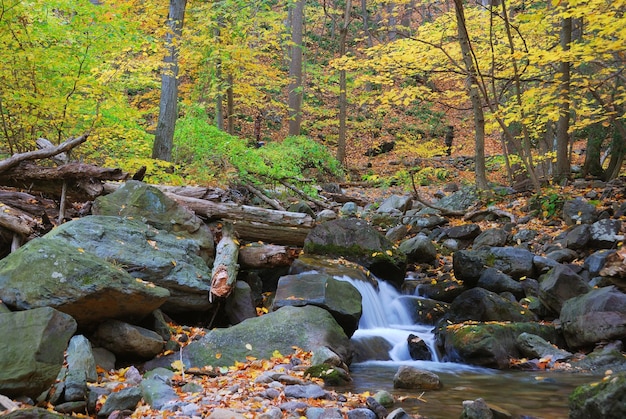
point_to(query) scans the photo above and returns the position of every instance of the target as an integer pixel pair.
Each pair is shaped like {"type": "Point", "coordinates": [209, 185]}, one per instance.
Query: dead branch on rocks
{"type": "Point", "coordinates": [43, 153]}
{"type": "Point", "coordinates": [225, 267]}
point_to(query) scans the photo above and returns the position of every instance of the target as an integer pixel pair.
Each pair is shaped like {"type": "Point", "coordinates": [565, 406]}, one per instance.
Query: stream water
{"type": "Point", "coordinates": [534, 394]}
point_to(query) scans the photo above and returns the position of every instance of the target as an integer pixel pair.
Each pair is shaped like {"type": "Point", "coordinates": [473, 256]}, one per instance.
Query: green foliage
{"type": "Point", "coordinates": [205, 151]}
{"type": "Point", "coordinates": [547, 205]}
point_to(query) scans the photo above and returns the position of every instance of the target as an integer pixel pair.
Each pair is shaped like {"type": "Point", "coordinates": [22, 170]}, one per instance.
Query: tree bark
{"type": "Point", "coordinates": [168, 107]}
{"type": "Point", "coordinates": [562, 127]}
{"type": "Point", "coordinates": [295, 69]}
{"type": "Point", "coordinates": [343, 98]}
{"type": "Point", "coordinates": [472, 87]}
{"type": "Point", "coordinates": [225, 267]}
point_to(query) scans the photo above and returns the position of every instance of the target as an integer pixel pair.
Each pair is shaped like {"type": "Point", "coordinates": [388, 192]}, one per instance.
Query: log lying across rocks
{"type": "Point", "coordinates": [261, 255]}
{"type": "Point", "coordinates": [254, 223]}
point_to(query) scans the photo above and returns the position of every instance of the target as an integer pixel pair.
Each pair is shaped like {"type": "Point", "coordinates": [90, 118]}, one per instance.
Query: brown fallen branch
{"type": "Point", "coordinates": [343, 198]}
{"type": "Point", "coordinates": [84, 181]}
{"type": "Point", "coordinates": [425, 202]}
{"type": "Point", "coordinates": [225, 267]}
{"type": "Point", "coordinates": [306, 196]}
{"type": "Point", "coordinates": [44, 153]}
{"type": "Point", "coordinates": [269, 201]}
{"type": "Point", "coordinates": [261, 255]}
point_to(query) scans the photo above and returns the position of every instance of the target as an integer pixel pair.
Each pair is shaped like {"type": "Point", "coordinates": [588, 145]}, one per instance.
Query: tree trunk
{"type": "Point", "coordinates": [230, 103]}
{"type": "Point", "coordinates": [562, 128]}
{"type": "Point", "coordinates": [219, 98]}
{"type": "Point", "coordinates": [472, 87]}
{"type": "Point", "coordinates": [343, 99]}
{"type": "Point", "coordinates": [168, 109]}
{"type": "Point", "coordinates": [295, 69]}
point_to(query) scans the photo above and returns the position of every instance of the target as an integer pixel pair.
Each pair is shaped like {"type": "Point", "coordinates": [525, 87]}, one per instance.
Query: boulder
{"type": "Point", "coordinates": [148, 204]}
{"type": "Point", "coordinates": [355, 240]}
{"type": "Point", "coordinates": [481, 305]}
{"type": "Point", "coordinates": [371, 348]}
{"type": "Point", "coordinates": [533, 346]}
{"type": "Point", "coordinates": [578, 211]}
{"type": "Point", "coordinates": [167, 260]}
{"type": "Point", "coordinates": [51, 273]}
{"type": "Point", "coordinates": [409, 377]}
{"type": "Point", "coordinates": [423, 310]}
{"type": "Point", "coordinates": [513, 261]}
{"type": "Point", "coordinates": [307, 327]}
{"type": "Point", "coordinates": [332, 267]}
{"type": "Point", "coordinates": [559, 285]}
{"type": "Point", "coordinates": [80, 357]}
{"type": "Point", "coordinates": [578, 237]}
{"type": "Point", "coordinates": [240, 305]}
{"type": "Point", "coordinates": [339, 298]}
{"type": "Point", "coordinates": [497, 281]}
{"type": "Point", "coordinates": [602, 399]}
{"type": "Point", "coordinates": [418, 349]}
{"type": "Point", "coordinates": [468, 266]}
{"type": "Point", "coordinates": [127, 340]}
{"type": "Point", "coordinates": [419, 249]}
{"type": "Point", "coordinates": [463, 232]}
{"type": "Point", "coordinates": [493, 237]}
{"type": "Point", "coordinates": [460, 200]}
{"type": "Point", "coordinates": [605, 234]}
{"type": "Point", "coordinates": [489, 345]}
{"type": "Point", "coordinates": [32, 347]}
{"type": "Point", "coordinates": [599, 315]}
{"type": "Point", "coordinates": [396, 203]}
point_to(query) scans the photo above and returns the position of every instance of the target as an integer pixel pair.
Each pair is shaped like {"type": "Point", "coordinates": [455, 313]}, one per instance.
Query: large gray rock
{"type": "Point", "coordinates": [339, 298]}
{"type": "Point", "coordinates": [52, 273]}
{"type": "Point", "coordinates": [148, 204]}
{"type": "Point", "coordinates": [355, 240]}
{"type": "Point", "coordinates": [306, 327]}
{"type": "Point", "coordinates": [419, 249]}
{"type": "Point", "coordinates": [32, 344]}
{"type": "Point", "coordinates": [481, 305]}
{"type": "Point", "coordinates": [533, 346]}
{"type": "Point", "coordinates": [397, 203]}
{"type": "Point", "coordinates": [579, 211]}
{"type": "Point", "coordinates": [80, 357]}
{"type": "Point", "coordinates": [127, 340]}
{"type": "Point", "coordinates": [167, 260]}
{"type": "Point", "coordinates": [496, 281]}
{"type": "Point", "coordinates": [489, 345]}
{"type": "Point", "coordinates": [603, 399]}
{"type": "Point", "coordinates": [599, 315]}
{"type": "Point", "coordinates": [559, 285]}
{"type": "Point", "coordinates": [409, 377]}
{"type": "Point", "coordinates": [605, 234]}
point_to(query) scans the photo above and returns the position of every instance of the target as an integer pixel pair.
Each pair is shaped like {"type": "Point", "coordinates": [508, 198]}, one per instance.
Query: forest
{"type": "Point", "coordinates": [192, 89]}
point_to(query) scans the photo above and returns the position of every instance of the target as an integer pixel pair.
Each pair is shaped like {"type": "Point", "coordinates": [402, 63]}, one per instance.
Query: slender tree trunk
{"type": "Point", "coordinates": [472, 87]}
{"type": "Point", "coordinates": [366, 23]}
{"type": "Point", "coordinates": [219, 98]}
{"type": "Point", "coordinates": [230, 103]}
{"type": "Point", "coordinates": [295, 69]}
{"type": "Point", "coordinates": [343, 98]}
{"type": "Point", "coordinates": [168, 109]}
{"type": "Point", "coordinates": [562, 128]}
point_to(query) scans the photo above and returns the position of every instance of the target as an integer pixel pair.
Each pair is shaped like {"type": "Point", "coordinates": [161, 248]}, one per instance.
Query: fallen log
{"type": "Point", "coordinates": [16, 221]}
{"type": "Point", "coordinates": [225, 267]}
{"type": "Point", "coordinates": [84, 181]}
{"type": "Point", "coordinates": [44, 153]}
{"type": "Point", "coordinates": [261, 255]}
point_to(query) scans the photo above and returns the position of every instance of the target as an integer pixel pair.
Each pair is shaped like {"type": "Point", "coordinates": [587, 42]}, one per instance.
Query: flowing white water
{"type": "Point", "coordinates": [385, 315]}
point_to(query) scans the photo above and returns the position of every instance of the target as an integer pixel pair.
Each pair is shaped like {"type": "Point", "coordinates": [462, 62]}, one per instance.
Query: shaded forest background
{"type": "Point", "coordinates": [529, 88]}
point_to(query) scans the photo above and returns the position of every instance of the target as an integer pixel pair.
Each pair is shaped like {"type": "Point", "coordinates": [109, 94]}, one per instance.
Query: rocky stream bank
{"type": "Point", "coordinates": [145, 308]}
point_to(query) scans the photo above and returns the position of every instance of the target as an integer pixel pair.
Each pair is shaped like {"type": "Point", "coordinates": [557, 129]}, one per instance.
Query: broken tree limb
{"type": "Point", "coordinates": [261, 255]}
{"type": "Point", "coordinates": [225, 267]}
{"type": "Point", "coordinates": [44, 153]}
{"type": "Point", "coordinates": [306, 196]}
{"type": "Point", "coordinates": [495, 211]}
{"type": "Point", "coordinates": [269, 201]}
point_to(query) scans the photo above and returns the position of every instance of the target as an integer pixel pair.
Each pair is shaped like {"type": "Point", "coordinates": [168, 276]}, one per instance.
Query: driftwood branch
{"type": "Point", "coordinates": [425, 202]}
{"type": "Point", "coordinates": [44, 153]}
{"type": "Point", "coordinates": [271, 202]}
{"type": "Point", "coordinates": [225, 267]}
{"type": "Point", "coordinates": [306, 196]}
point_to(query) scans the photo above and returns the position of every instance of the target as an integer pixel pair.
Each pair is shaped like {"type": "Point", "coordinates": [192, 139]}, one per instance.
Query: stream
{"type": "Point", "coordinates": [536, 394]}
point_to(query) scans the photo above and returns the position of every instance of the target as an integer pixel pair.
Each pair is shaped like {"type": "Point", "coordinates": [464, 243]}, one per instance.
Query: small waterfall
{"type": "Point", "coordinates": [384, 315]}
